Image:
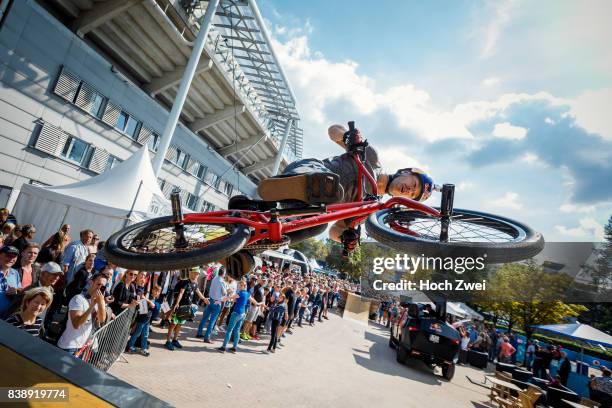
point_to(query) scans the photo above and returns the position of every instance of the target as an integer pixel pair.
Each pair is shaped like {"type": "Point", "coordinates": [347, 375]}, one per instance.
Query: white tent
{"type": "Point", "coordinates": [125, 194]}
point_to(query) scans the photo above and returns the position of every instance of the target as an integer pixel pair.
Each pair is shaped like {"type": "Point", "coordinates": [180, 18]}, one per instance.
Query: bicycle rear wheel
{"type": "Point", "coordinates": [152, 245]}
{"type": "Point", "coordinates": [471, 234]}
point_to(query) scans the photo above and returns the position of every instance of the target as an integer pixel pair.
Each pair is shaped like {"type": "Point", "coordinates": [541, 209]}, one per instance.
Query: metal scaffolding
{"type": "Point", "coordinates": [241, 42]}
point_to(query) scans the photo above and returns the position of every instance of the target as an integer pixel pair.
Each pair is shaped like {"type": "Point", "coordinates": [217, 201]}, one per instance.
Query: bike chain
{"type": "Point", "coordinates": [266, 244]}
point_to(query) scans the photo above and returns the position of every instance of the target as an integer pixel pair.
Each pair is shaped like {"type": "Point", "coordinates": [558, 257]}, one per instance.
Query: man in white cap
{"type": "Point", "coordinates": [49, 275]}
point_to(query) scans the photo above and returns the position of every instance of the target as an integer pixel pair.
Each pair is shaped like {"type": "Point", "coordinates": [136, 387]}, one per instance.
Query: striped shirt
{"type": "Point", "coordinates": [33, 329]}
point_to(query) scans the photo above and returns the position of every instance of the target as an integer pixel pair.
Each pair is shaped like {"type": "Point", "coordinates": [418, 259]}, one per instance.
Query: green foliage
{"type": "Point", "coordinates": [525, 295]}
{"type": "Point", "coordinates": [312, 248]}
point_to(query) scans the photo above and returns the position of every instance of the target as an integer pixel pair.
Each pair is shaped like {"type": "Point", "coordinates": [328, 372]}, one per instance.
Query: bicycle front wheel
{"type": "Point", "coordinates": [152, 245]}
{"type": "Point", "coordinates": [471, 234]}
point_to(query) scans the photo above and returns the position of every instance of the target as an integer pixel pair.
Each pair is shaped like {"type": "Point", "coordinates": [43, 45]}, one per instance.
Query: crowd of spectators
{"type": "Point", "coordinates": [64, 290]}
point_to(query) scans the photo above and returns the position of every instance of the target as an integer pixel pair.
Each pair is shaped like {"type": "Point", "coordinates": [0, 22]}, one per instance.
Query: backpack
{"type": "Point", "coordinates": [277, 312]}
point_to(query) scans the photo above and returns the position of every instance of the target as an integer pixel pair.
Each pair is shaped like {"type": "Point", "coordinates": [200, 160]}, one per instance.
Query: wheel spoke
{"type": "Point", "coordinates": [463, 227]}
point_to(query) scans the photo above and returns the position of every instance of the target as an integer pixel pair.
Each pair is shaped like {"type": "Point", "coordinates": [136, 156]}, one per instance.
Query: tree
{"type": "Point", "coordinates": [527, 296]}
{"type": "Point", "coordinates": [351, 265]}
{"type": "Point", "coordinates": [312, 248]}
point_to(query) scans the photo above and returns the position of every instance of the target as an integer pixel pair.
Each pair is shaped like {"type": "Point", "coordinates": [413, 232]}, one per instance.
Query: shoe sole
{"type": "Point", "coordinates": [319, 188]}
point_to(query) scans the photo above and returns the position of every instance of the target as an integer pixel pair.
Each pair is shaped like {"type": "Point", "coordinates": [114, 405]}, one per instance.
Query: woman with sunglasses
{"type": "Point", "coordinates": [124, 294]}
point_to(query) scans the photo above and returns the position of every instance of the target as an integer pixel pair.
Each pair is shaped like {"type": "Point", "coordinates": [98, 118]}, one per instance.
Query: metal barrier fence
{"type": "Point", "coordinates": [108, 343]}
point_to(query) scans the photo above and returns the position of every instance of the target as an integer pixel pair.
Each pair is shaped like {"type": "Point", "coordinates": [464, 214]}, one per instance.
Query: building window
{"type": "Point", "coordinates": [212, 179]}
{"type": "Point", "coordinates": [153, 142]}
{"type": "Point", "coordinates": [229, 189]}
{"type": "Point", "coordinates": [111, 162]}
{"type": "Point", "coordinates": [75, 150]}
{"type": "Point", "coordinates": [192, 202]}
{"type": "Point", "coordinates": [128, 125]}
{"type": "Point", "coordinates": [182, 159]}
{"type": "Point", "coordinates": [97, 102]}
{"type": "Point", "coordinates": [198, 170]}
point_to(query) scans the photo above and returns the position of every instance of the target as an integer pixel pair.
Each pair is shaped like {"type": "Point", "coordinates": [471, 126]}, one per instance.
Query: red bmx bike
{"type": "Point", "coordinates": [183, 241]}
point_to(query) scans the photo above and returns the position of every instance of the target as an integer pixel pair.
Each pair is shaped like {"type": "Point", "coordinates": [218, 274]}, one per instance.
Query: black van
{"type": "Point", "coordinates": [423, 333]}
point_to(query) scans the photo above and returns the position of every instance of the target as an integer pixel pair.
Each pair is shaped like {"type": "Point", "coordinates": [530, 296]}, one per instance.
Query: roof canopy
{"type": "Point", "coordinates": [578, 331]}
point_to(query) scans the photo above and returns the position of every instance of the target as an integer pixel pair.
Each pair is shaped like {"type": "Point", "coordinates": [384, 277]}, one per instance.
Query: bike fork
{"type": "Point", "coordinates": [446, 209]}
{"type": "Point", "coordinates": [177, 218]}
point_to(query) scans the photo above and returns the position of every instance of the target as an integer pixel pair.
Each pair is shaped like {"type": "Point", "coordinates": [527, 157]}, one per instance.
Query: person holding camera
{"type": "Point", "coordinates": [183, 308]}
{"type": "Point", "coordinates": [82, 309]}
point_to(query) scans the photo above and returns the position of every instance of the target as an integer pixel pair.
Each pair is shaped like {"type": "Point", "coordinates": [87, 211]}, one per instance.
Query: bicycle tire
{"type": "Point", "coordinates": [306, 233]}
{"type": "Point", "coordinates": [529, 244]}
{"type": "Point", "coordinates": [116, 253]}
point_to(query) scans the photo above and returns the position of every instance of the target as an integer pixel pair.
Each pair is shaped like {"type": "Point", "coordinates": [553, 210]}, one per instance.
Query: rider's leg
{"type": "Point", "coordinates": [306, 180]}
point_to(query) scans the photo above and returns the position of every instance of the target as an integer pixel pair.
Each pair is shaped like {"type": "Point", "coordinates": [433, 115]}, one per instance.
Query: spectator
{"type": "Point", "coordinates": [564, 369]}
{"type": "Point", "coordinates": [218, 290]}
{"type": "Point", "coordinates": [242, 298]}
{"type": "Point", "coordinates": [290, 296]}
{"type": "Point", "coordinates": [600, 388]}
{"type": "Point", "coordinates": [27, 234]}
{"type": "Point", "coordinates": [13, 236]}
{"type": "Point", "coordinates": [6, 218]}
{"type": "Point", "coordinates": [315, 299]}
{"type": "Point", "coordinates": [48, 276]}
{"type": "Point", "coordinates": [7, 231]}
{"type": "Point", "coordinates": [278, 313]}
{"type": "Point", "coordinates": [529, 355]}
{"type": "Point", "coordinates": [82, 309]}
{"type": "Point", "coordinates": [63, 233]}
{"type": "Point", "coordinates": [54, 250]}
{"type": "Point", "coordinates": [124, 294]}
{"type": "Point", "coordinates": [506, 350]}
{"type": "Point", "coordinates": [29, 318]}
{"type": "Point", "coordinates": [143, 320]}
{"type": "Point", "coordinates": [185, 290]}
{"type": "Point", "coordinates": [81, 277]}
{"type": "Point", "coordinates": [465, 341]}
{"type": "Point", "coordinates": [75, 254]}
{"type": "Point", "coordinates": [10, 281]}
{"type": "Point", "coordinates": [232, 287]}
{"type": "Point", "coordinates": [27, 268]}
{"type": "Point", "coordinates": [302, 303]}
{"type": "Point", "coordinates": [93, 245]}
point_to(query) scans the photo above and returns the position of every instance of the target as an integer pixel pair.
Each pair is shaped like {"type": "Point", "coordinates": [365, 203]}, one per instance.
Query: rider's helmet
{"type": "Point", "coordinates": [425, 181]}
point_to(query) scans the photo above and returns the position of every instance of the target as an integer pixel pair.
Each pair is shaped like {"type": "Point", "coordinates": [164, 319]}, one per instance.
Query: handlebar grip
{"type": "Point", "coordinates": [351, 126]}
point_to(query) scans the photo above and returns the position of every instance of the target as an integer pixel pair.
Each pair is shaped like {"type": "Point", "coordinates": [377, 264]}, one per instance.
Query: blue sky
{"type": "Point", "coordinates": [509, 100]}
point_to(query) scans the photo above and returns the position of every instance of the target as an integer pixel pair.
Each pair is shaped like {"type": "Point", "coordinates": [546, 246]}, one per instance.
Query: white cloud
{"type": "Point", "coordinates": [588, 228]}
{"type": "Point", "coordinates": [573, 208]}
{"type": "Point", "coordinates": [592, 111]}
{"type": "Point", "coordinates": [490, 81]}
{"type": "Point", "coordinates": [549, 121]}
{"type": "Point", "coordinates": [507, 131]}
{"type": "Point", "coordinates": [501, 15]}
{"type": "Point", "coordinates": [510, 200]}
{"type": "Point", "coordinates": [465, 186]}
{"type": "Point", "coordinates": [394, 158]}
{"type": "Point", "coordinates": [530, 158]}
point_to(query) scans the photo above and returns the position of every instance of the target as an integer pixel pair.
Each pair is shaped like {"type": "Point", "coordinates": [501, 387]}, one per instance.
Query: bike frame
{"type": "Point", "coordinates": [272, 226]}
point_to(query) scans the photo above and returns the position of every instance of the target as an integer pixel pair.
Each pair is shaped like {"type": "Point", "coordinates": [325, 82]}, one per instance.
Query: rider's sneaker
{"type": "Point", "coordinates": [315, 188]}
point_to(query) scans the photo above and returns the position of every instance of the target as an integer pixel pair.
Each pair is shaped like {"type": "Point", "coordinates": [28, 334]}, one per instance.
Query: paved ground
{"type": "Point", "coordinates": [337, 363]}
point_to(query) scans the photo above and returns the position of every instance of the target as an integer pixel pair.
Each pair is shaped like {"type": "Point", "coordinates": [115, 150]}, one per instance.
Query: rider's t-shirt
{"type": "Point", "coordinates": [345, 166]}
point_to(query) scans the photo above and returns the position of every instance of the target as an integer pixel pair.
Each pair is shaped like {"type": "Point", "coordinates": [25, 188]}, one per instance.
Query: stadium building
{"type": "Point", "coordinates": [85, 83]}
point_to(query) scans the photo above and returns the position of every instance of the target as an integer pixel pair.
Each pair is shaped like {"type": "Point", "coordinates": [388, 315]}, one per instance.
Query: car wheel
{"type": "Point", "coordinates": [448, 371]}
{"type": "Point", "coordinates": [391, 343]}
{"type": "Point", "coordinates": [401, 353]}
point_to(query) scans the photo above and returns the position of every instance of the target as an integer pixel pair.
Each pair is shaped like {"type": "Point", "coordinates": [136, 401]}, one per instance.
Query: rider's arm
{"type": "Point", "coordinates": [336, 134]}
